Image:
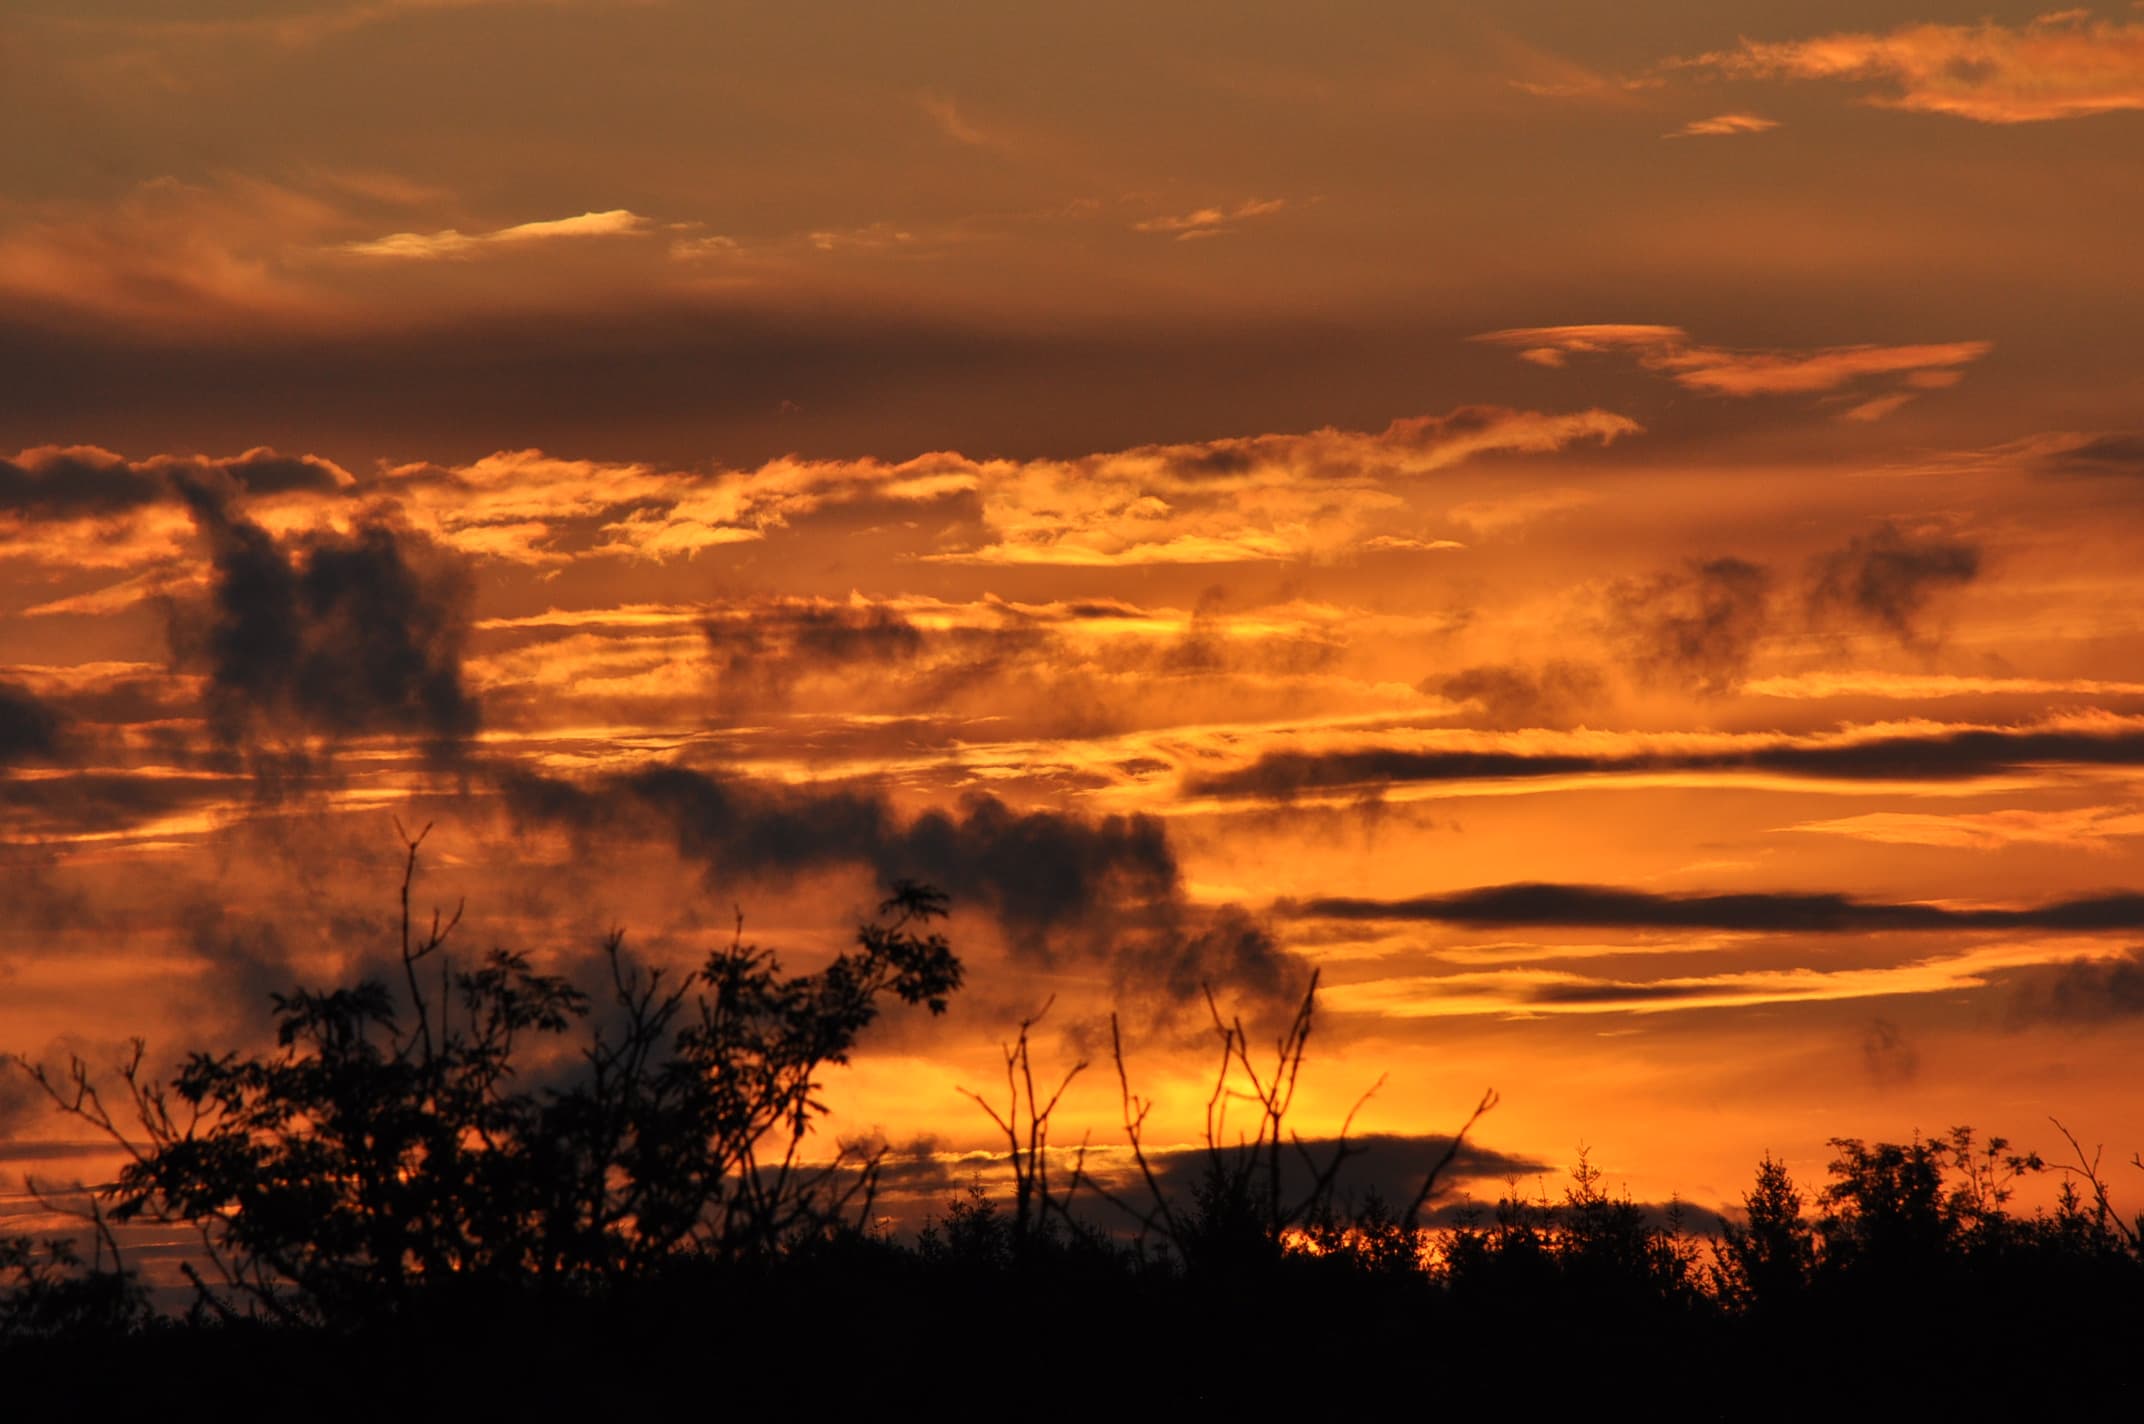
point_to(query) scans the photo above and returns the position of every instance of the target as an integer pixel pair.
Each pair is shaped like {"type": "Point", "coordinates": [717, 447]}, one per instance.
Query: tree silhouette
{"type": "Point", "coordinates": [1764, 1262]}
{"type": "Point", "coordinates": [390, 1150]}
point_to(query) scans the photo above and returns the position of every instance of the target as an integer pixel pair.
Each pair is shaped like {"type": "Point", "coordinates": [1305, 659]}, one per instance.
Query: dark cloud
{"type": "Point", "coordinates": [761, 651]}
{"type": "Point", "coordinates": [90, 802]}
{"type": "Point", "coordinates": [86, 482]}
{"type": "Point", "coordinates": [1887, 1054]}
{"type": "Point", "coordinates": [1056, 883]}
{"type": "Point", "coordinates": [2118, 452]}
{"type": "Point", "coordinates": [21, 1101]}
{"type": "Point", "coordinates": [1233, 948]}
{"type": "Point", "coordinates": [651, 381]}
{"type": "Point", "coordinates": [1886, 579]}
{"type": "Point", "coordinates": [331, 635]}
{"type": "Point", "coordinates": [1758, 911]}
{"type": "Point", "coordinates": [243, 961]}
{"type": "Point", "coordinates": [29, 729]}
{"type": "Point", "coordinates": [1391, 1165]}
{"type": "Point", "coordinates": [1693, 627]}
{"type": "Point", "coordinates": [1948, 756]}
{"type": "Point", "coordinates": [1202, 648]}
{"type": "Point", "coordinates": [1608, 991]}
{"type": "Point", "coordinates": [1557, 693]}
{"type": "Point", "coordinates": [2080, 991]}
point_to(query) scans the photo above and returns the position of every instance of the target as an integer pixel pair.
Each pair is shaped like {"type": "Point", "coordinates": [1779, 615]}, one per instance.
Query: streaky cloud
{"type": "Point", "coordinates": [1947, 753]}
{"type": "Point", "coordinates": [1770, 912]}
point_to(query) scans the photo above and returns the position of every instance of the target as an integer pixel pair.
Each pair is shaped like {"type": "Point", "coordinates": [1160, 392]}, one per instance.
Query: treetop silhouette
{"type": "Point", "coordinates": [389, 1146]}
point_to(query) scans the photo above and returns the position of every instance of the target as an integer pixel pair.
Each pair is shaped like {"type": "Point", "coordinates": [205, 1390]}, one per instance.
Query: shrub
{"type": "Point", "coordinates": [389, 1149]}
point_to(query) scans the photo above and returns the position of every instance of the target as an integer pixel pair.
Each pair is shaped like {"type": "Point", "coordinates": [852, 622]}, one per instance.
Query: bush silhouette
{"type": "Point", "coordinates": [391, 1147]}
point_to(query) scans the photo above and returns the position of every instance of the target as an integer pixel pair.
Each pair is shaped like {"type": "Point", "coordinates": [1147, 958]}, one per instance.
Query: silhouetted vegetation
{"type": "Point", "coordinates": [485, 1187]}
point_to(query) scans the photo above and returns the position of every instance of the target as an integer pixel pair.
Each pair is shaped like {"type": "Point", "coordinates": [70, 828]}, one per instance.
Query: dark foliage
{"type": "Point", "coordinates": [385, 1158]}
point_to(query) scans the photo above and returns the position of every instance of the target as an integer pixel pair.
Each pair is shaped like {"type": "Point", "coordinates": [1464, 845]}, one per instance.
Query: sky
{"type": "Point", "coordinates": [1605, 533]}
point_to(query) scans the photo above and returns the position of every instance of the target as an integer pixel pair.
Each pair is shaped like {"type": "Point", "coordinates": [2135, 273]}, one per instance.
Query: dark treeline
{"type": "Point", "coordinates": [486, 1189]}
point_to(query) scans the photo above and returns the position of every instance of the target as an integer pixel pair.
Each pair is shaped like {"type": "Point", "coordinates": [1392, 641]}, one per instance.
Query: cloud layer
{"type": "Point", "coordinates": [2064, 65]}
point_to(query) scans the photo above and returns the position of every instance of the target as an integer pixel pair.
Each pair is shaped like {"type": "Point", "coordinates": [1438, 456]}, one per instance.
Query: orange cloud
{"type": "Point", "coordinates": [2060, 66]}
{"type": "Point", "coordinates": [1249, 499]}
{"type": "Point", "coordinates": [1725, 371]}
{"type": "Point", "coordinates": [1210, 222]}
{"type": "Point", "coordinates": [1721, 125]}
{"type": "Point", "coordinates": [2083, 827]}
{"type": "Point", "coordinates": [313, 26]}
{"type": "Point", "coordinates": [1258, 498]}
{"type": "Point", "coordinates": [1265, 497]}
{"type": "Point", "coordinates": [170, 252]}
{"type": "Point", "coordinates": [945, 111]}
{"type": "Point", "coordinates": [450, 242]}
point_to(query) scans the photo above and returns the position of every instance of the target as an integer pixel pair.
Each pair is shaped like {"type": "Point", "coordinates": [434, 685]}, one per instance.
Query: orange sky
{"type": "Point", "coordinates": [1609, 531]}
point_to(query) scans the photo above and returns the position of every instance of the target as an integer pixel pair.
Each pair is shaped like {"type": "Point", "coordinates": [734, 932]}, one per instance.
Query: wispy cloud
{"type": "Point", "coordinates": [1264, 497]}
{"type": "Point", "coordinates": [1210, 222]}
{"type": "Point", "coordinates": [1902, 754]}
{"type": "Point", "coordinates": [946, 113]}
{"type": "Point", "coordinates": [2061, 66]}
{"type": "Point", "coordinates": [451, 242]}
{"type": "Point", "coordinates": [1723, 125]}
{"type": "Point", "coordinates": [2083, 827]}
{"type": "Point", "coordinates": [1730, 371]}
{"type": "Point", "coordinates": [312, 26]}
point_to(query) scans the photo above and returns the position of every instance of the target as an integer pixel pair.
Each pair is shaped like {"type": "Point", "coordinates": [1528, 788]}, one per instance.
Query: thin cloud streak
{"type": "Point", "coordinates": [1764, 912]}
{"type": "Point", "coordinates": [1934, 753]}
{"type": "Point", "coordinates": [1723, 126]}
{"type": "Point", "coordinates": [450, 242]}
{"type": "Point", "coordinates": [1726, 371]}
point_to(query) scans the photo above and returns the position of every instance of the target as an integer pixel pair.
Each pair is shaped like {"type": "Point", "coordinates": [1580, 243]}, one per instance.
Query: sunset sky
{"type": "Point", "coordinates": [1611, 532]}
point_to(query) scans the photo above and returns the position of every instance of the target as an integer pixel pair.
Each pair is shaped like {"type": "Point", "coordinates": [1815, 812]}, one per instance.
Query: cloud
{"type": "Point", "coordinates": [1277, 497]}
{"type": "Point", "coordinates": [332, 635]}
{"type": "Point", "coordinates": [1210, 222]}
{"type": "Point", "coordinates": [2086, 827]}
{"type": "Point", "coordinates": [170, 253]}
{"type": "Point", "coordinates": [1726, 371]}
{"type": "Point", "coordinates": [1922, 686]}
{"type": "Point", "coordinates": [2075, 453]}
{"type": "Point", "coordinates": [1107, 888]}
{"type": "Point", "coordinates": [1512, 695]}
{"type": "Point", "coordinates": [945, 112]}
{"type": "Point", "coordinates": [1392, 1165]}
{"type": "Point", "coordinates": [1887, 1055]}
{"type": "Point", "coordinates": [1695, 627]}
{"type": "Point", "coordinates": [54, 482]}
{"type": "Point", "coordinates": [109, 805]}
{"type": "Point", "coordinates": [2115, 452]}
{"type": "Point", "coordinates": [1254, 498]}
{"type": "Point", "coordinates": [1231, 948]}
{"type": "Point", "coordinates": [79, 507]}
{"type": "Point", "coordinates": [1723, 125]}
{"type": "Point", "coordinates": [431, 246]}
{"type": "Point", "coordinates": [2081, 991]}
{"type": "Point", "coordinates": [522, 505]}
{"type": "Point", "coordinates": [1938, 753]}
{"type": "Point", "coordinates": [1887, 578]}
{"type": "Point", "coordinates": [29, 729]}
{"type": "Point", "coordinates": [1766, 912]}
{"type": "Point", "coordinates": [312, 26]}
{"type": "Point", "coordinates": [761, 650]}
{"type": "Point", "coordinates": [2061, 66]}
{"type": "Point", "coordinates": [1875, 408]}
